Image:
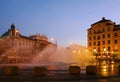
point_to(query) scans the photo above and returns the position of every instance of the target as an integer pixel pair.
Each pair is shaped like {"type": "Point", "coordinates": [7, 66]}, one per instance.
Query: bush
{"type": "Point", "coordinates": [91, 69]}
{"type": "Point", "coordinates": [39, 71]}
{"type": "Point", "coordinates": [74, 70]}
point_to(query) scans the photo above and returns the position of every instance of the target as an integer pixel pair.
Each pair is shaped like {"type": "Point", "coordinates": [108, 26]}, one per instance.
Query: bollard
{"type": "Point", "coordinates": [119, 68]}
{"type": "Point", "coordinates": [11, 70]}
{"type": "Point", "coordinates": [39, 71]}
{"type": "Point", "coordinates": [91, 69]}
{"type": "Point", "coordinates": [74, 70]}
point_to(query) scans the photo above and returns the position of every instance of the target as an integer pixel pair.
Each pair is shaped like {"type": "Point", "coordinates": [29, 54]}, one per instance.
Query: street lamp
{"type": "Point", "coordinates": [104, 49]}
{"type": "Point", "coordinates": [51, 39]}
{"type": "Point", "coordinates": [107, 57]}
{"type": "Point", "coordinates": [95, 55]}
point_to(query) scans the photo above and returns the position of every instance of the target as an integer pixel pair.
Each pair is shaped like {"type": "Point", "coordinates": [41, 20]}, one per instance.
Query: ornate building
{"type": "Point", "coordinates": [16, 48]}
{"type": "Point", "coordinates": [104, 39]}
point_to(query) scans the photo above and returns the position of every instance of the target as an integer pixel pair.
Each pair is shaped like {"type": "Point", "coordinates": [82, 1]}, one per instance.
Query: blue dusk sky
{"type": "Point", "coordinates": [64, 20]}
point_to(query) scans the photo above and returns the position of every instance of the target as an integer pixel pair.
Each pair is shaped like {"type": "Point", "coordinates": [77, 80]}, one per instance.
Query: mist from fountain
{"type": "Point", "coordinates": [56, 57]}
{"type": "Point", "coordinates": [73, 55]}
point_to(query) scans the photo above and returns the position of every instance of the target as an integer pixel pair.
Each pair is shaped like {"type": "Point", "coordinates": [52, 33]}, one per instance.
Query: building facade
{"type": "Point", "coordinates": [16, 48]}
{"type": "Point", "coordinates": [104, 40]}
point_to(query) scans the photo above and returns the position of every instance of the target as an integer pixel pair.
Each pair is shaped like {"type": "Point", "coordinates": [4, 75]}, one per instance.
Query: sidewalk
{"type": "Point", "coordinates": [61, 78]}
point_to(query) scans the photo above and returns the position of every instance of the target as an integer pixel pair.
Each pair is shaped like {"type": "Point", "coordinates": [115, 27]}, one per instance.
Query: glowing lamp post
{"type": "Point", "coordinates": [107, 57]}
{"type": "Point", "coordinates": [51, 39]}
{"type": "Point", "coordinates": [95, 55]}
{"type": "Point", "coordinates": [71, 43]}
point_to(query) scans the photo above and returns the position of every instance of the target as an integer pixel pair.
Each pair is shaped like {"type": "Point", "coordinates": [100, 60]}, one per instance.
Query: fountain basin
{"type": "Point", "coordinates": [39, 71]}
{"type": "Point", "coordinates": [91, 69]}
{"type": "Point", "coordinates": [11, 70]}
{"type": "Point", "coordinates": [74, 70]}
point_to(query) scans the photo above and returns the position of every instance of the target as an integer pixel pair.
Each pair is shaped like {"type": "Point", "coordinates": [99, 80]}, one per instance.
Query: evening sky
{"type": "Point", "coordinates": [64, 20]}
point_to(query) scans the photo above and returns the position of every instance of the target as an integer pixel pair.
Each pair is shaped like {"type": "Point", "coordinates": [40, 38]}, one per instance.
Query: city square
{"type": "Point", "coordinates": [53, 41]}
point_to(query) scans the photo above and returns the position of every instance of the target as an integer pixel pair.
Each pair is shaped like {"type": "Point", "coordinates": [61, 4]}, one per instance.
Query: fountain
{"type": "Point", "coordinates": [62, 57]}
{"type": "Point", "coordinates": [74, 59]}
{"type": "Point", "coordinates": [52, 57]}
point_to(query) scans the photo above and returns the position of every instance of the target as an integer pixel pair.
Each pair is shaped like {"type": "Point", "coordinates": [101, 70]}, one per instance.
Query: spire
{"type": "Point", "coordinates": [12, 26]}
{"type": "Point", "coordinates": [103, 18]}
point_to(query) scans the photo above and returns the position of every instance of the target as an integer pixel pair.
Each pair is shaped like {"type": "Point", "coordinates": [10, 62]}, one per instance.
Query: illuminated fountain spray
{"type": "Point", "coordinates": [72, 55]}
{"type": "Point", "coordinates": [81, 55]}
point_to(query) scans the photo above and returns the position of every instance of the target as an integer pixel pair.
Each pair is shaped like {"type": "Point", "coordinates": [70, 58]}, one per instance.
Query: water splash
{"type": "Point", "coordinates": [73, 55]}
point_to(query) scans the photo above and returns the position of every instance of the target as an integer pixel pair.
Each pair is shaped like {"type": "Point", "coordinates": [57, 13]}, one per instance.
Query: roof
{"type": "Point", "coordinates": [6, 34]}
{"type": "Point", "coordinates": [9, 32]}
{"type": "Point", "coordinates": [25, 37]}
{"type": "Point", "coordinates": [102, 21]}
{"type": "Point", "coordinates": [116, 27]}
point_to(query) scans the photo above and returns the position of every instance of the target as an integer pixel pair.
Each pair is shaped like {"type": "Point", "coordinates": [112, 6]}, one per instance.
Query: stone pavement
{"type": "Point", "coordinates": [61, 78]}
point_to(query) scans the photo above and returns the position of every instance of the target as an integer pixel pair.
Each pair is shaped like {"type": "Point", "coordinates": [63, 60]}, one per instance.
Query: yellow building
{"type": "Point", "coordinates": [17, 48]}
{"type": "Point", "coordinates": [104, 39]}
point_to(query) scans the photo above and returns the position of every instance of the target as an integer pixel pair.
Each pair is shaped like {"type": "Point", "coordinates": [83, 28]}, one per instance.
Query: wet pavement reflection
{"type": "Point", "coordinates": [106, 73]}
{"type": "Point", "coordinates": [108, 70]}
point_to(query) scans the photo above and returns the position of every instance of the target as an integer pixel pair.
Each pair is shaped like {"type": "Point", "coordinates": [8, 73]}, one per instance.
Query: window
{"type": "Point", "coordinates": [98, 37]}
{"type": "Point", "coordinates": [108, 35]}
{"type": "Point", "coordinates": [103, 42]}
{"type": "Point", "coordinates": [103, 30]}
{"type": "Point", "coordinates": [98, 43]}
{"type": "Point", "coordinates": [115, 34]}
{"type": "Point", "coordinates": [104, 49]}
{"type": "Point", "coordinates": [89, 32]}
{"type": "Point", "coordinates": [90, 38]}
{"type": "Point", "coordinates": [108, 28]}
{"type": "Point", "coordinates": [94, 37]}
{"type": "Point", "coordinates": [98, 31]}
{"type": "Point", "coordinates": [116, 42]}
{"type": "Point", "coordinates": [108, 48]}
{"type": "Point", "coordinates": [108, 41]}
{"type": "Point", "coordinates": [98, 49]}
{"type": "Point", "coordinates": [94, 31]}
{"type": "Point", "coordinates": [94, 43]}
{"type": "Point", "coordinates": [103, 36]}
{"type": "Point", "coordinates": [90, 44]}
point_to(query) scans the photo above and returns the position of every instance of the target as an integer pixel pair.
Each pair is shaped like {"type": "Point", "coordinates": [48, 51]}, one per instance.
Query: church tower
{"type": "Point", "coordinates": [15, 32]}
